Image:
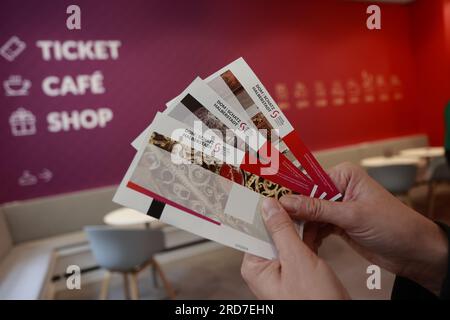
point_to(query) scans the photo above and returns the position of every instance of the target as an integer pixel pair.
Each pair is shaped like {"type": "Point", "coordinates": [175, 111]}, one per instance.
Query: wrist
{"type": "Point", "coordinates": [430, 263]}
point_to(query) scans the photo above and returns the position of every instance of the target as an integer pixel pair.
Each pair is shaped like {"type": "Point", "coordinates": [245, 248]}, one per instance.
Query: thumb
{"type": "Point", "coordinates": [281, 228]}
{"type": "Point", "coordinates": [300, 207]}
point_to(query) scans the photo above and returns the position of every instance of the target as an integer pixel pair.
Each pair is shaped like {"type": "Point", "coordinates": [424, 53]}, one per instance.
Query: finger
{"type": "Point", "coordinates": [254, 266]}
{"type": "Point", "coordinates": [342, 174]}
{"type": "Point", "coordinates": [281, 228]}
{"type": "Point", "coordinates": [261, 275]}
{"type": "Point", "coordinates": [312, 209]}
{"type": "Point", "coordinates": [250, 258]}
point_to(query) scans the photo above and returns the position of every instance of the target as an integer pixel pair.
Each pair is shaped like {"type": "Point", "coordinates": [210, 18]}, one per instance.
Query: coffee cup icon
{"type": "Point", "coordinates": [16, 86]}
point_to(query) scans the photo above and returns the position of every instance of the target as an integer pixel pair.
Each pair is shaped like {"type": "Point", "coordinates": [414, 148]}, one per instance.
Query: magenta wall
{"type": "Point", "coordinates": [165, 44]}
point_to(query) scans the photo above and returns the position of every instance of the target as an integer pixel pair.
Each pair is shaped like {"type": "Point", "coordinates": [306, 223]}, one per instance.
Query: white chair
{"type": "Point", "coordinates": [128, 251]}
{"type": "Point", "coordinates": [397, 179]}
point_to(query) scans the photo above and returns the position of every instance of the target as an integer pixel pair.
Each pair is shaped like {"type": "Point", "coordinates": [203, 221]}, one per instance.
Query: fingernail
{"type": "Point", "coordinates": [270, 207]}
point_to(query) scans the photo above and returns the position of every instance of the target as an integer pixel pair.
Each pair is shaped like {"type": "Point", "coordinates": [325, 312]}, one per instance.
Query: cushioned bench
{"type": "Point", "coordinates": [32, 231]}
{"type": "Point", "coordinates": [26, 268]}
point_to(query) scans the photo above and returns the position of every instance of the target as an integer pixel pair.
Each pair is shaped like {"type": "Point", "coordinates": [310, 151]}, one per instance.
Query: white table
{"type": "Point", "coordinates": [127, 217]}
{"type": "Point", "coordinates": [424, 152]}
{"type": "Point", "coordinates": [388, 161]}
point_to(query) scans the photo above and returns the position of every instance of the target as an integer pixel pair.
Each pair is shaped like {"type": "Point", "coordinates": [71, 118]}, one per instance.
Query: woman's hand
{"type": "Point", "coordinates": [378, 226]}
{"type": "Point", "coordinates": [298, 273]}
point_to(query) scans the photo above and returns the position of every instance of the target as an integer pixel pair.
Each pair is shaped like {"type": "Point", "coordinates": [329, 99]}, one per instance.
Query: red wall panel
{"type": "Point", "coordinates": [432, 62]}
{"type": "Point", "coordinates": [331, 43]}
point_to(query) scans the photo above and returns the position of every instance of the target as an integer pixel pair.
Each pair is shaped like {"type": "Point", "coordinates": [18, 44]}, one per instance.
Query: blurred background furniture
{"type": "Point", "coordinates": [39, 238]}
{"type": "Point", "coordinates": [357, 152]}
{"type": "Point", "coordinates": [128, 251]}
{"type": "Point", "coordinates": [129, 217]}
{"type": "Point", "coordinates": [439, 172]}
{"type": "Point", "coordinates": [424, 152]}
{"type": "Point", "coordinates": [396, 174]}
{"type": "Point", "coordinates": [375, 162]}
{"type": "Point", "coordinates": [35, 235]}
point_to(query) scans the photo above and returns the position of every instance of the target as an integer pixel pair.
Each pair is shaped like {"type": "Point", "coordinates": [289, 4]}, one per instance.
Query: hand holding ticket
{"type": "Point", "coordinates": [208, 161]}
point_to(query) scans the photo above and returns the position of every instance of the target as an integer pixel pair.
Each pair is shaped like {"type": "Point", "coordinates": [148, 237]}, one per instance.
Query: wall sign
{"type": "Point", "coordinates": [72, 99]}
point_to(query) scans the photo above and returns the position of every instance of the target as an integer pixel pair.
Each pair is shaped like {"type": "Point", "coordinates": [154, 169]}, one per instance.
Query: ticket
{"type": "Point", "coordinates": [200, 104]}
{"type": "Point", "coordinates": [241, 88]}
{"type": "Point", "coordinates": [196, 198]}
